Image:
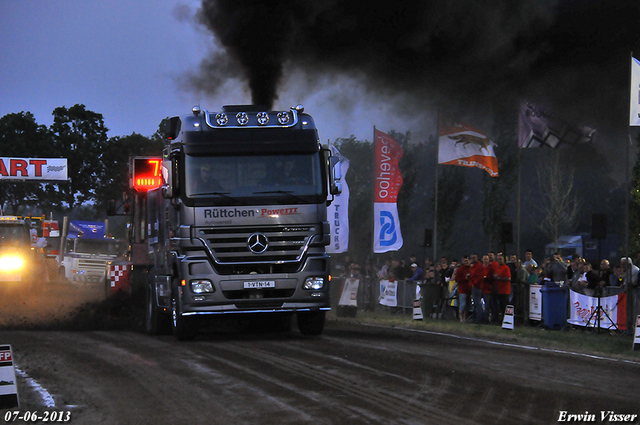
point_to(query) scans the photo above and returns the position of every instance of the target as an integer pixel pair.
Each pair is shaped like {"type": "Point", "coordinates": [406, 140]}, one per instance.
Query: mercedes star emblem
{"type": "Point", "coordinates": [258, 243]}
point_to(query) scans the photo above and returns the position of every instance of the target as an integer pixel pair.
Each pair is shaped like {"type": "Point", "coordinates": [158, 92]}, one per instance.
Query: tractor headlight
{"type": "Point", "coordinates": [201, 286]}
{"type": "Point", "coordinates": [313, 283]}
{"type": "Point", "coordinates": [11, 262]}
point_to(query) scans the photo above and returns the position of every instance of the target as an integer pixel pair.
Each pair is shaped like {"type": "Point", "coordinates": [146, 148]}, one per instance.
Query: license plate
{"type": "Point", "coordinates": [259, 284]}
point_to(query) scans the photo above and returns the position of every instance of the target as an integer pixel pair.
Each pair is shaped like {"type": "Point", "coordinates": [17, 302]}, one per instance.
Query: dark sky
{"type": "Point", "coordinates": [458, 56]}
{"type": "Point", "coordinates": [353, 64]}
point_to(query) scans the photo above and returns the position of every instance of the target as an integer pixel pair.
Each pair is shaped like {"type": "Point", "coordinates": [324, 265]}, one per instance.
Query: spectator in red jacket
{"type": "Point", "coordinates": [492, 259]}
{"type": "Point", "coordinates": [488, 271]}
{"type": "Point", "coordinates": [463, 274]}
{"type": "Point", "coordinates": [475, 282]}
{"type": "Point", "coordinates": [502, 279]}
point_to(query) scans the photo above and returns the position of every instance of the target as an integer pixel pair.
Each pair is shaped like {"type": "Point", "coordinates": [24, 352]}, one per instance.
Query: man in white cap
{"type": "Point", "coordinates": [417, 273]}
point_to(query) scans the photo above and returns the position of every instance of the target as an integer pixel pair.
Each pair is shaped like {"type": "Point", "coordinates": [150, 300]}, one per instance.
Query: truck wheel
{"type": "Point", "coordinates": [311, 323]}
{"type": "Point", "coordinates": [181, 326]}
{"type": "Point", "coordinates": [157, 323]}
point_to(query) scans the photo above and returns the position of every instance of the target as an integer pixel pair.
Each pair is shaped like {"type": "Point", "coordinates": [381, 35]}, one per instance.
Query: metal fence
{"type": "Point", "coordinates": [369, 295]}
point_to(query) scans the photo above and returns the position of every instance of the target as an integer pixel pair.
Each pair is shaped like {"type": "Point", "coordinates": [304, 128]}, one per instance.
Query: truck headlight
{"type": "Point", "coordinates": [313, 283]}
{"type": "Point", "coordinates": [11, 262]}
{"type": "Point", "coordinates": [201, 286]}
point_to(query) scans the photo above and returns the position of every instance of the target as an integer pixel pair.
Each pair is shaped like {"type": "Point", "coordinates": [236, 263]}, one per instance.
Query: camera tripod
{"type": "Point", "coordinates": [596, 313]}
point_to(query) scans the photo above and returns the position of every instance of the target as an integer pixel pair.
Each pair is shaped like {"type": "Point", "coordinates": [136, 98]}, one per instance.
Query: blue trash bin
{"type": "Point", "coordinates": [554, 306]}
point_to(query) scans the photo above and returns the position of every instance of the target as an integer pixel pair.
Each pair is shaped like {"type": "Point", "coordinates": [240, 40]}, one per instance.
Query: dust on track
{"type": "Point", "coordinates": [67, 306]}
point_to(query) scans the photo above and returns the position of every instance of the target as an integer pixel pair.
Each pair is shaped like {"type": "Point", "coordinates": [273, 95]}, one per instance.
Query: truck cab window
{"type": "Point", "coordinates": [253, 176]}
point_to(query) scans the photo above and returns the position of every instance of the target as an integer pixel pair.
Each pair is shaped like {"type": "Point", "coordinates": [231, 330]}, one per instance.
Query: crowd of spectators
{"type": "Point", "coordinates": [484, 286]}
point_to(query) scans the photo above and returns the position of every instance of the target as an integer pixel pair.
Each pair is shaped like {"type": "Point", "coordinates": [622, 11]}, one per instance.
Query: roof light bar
{"type": "Point", "coordinates": [261, 119]}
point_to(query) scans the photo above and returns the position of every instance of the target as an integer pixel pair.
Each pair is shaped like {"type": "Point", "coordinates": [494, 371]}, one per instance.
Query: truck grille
{"type": "Point", "coordinates": [284, 252]}
{"type": "Point", "coordinates": [93, 266]}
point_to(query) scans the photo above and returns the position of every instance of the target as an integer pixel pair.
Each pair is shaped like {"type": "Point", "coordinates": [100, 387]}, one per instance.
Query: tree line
{"type": "Point", "coordinates": [98, 165]}
{"type": "Point", "coordinates": [559, 189]}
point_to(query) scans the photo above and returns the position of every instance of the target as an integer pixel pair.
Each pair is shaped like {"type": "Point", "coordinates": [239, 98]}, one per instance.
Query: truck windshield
{"type": "Point", "coordinates": [242, 179]}
{"type": "Point", "coordinates": [97, 246]}
{"type": "Point", "coordinates": [13, 235]}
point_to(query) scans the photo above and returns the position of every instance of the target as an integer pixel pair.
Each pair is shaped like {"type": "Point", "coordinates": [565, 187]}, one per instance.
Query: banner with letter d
{"type": "Point", "coordinates": [388, 181]}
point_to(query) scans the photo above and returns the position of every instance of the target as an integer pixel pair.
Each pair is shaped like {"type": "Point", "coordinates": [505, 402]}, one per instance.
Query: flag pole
{"type": "Point", "coordinates": [435, 212]}
{"type": "Point", "coordinates": [630, 301]}
{"type": "Point", "coordinates": [373, 196]}
{"type": "Point", "coordinates": [518, 254]}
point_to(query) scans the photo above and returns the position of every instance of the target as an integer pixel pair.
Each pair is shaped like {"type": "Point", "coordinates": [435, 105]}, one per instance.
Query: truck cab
{"type": "Point", "coordinates": [87, 250]}
{"type": "Point", "coordinates": [17, 258]}
{"type": "Point", "coordinates": [240, 225]}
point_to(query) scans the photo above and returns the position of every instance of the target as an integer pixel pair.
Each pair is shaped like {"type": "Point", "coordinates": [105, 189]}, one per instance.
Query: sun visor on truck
{"type": "Point", "coordinates": [244, 140]}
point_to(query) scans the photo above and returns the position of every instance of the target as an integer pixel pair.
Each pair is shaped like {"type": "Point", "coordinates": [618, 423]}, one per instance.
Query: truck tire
{"type": "Point", "coordinates": [311, 323]}
{"type": "Point", "coordinates": [157, 323]}
{"type": "Point", "coordinates": [181, 326]}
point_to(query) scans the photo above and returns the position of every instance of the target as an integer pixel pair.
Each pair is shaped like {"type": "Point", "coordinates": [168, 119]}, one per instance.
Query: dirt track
{"type": "Point", "coordinates": [350, 375]}
{"type": "Point", "coordinates": [47, 305]}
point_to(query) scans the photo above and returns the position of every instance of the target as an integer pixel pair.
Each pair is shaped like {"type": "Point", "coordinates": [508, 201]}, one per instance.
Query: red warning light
{"type": "Point", "coordinates": [147, 173]}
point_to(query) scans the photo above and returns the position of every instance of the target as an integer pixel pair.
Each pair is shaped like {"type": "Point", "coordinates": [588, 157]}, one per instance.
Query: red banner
{"type": "Point", "coordinates": [388, 177]}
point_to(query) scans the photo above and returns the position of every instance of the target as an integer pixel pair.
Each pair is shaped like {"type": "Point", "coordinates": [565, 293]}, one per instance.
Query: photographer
{"type": "Point", "coordinates": [556, 269]}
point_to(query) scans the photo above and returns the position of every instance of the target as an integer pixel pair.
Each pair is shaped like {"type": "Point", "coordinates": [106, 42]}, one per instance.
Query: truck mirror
{"type": "Point", "coordinates": [167, 177]}
{"type": "Point", "coordinates": [167, 193]}
{"type": "Point", "coordinates": [336, 175]}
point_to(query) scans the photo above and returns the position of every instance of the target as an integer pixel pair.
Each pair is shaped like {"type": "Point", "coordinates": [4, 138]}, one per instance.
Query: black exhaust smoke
{"type": "Point", "coordinates": [256, 35]}
{"type": "Point", "coordinates": [463, 51]}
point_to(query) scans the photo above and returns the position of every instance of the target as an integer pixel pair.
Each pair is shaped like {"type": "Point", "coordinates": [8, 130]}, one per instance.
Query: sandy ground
{"type": "Point", "coordinates": [80, 353]}
{"type": "Point", "coordinates": [44, 305]}
{"type": "Point", "coordinates": [349, 375]}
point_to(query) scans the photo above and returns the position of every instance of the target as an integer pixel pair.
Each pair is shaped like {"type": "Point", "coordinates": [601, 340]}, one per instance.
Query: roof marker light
{"type": "Point", "coordinates": [242, 118]}
{"type": "Point", "coordinates": [222, 119]}
{"type": "Point", "coordinates": [283, 118]}
{"type": "Point", "coordinates": [263, 118]}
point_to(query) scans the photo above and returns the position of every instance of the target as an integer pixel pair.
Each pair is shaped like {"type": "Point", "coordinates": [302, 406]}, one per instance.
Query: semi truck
{"type": "Point", "coordinates": [86, 251]}
{"type": "Point", "coordinates": [239, 225]}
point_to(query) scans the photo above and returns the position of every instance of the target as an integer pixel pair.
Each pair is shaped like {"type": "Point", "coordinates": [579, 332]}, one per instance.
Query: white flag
{"type": "Point", "coordinates": [338, 211]}
{"type": "Point", "coordinates": [462, 145]}
{"type": "Point", "coordinates": [634, 118]}
{"type": "Point", "coordinates": [539, 127]}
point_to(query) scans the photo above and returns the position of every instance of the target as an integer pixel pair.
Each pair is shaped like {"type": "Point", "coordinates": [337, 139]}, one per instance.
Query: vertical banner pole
{"type": "Point", "coordinates": [435, 209]}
